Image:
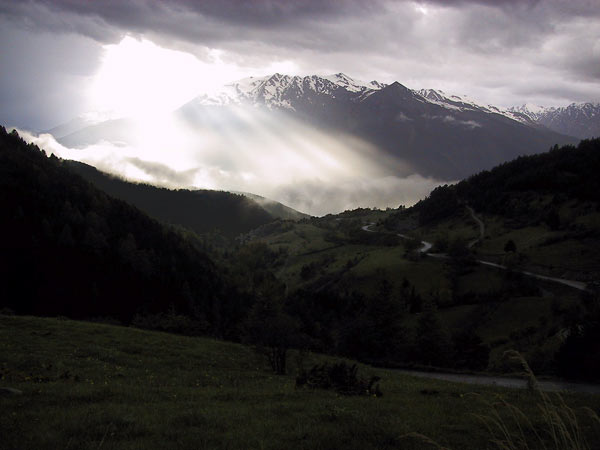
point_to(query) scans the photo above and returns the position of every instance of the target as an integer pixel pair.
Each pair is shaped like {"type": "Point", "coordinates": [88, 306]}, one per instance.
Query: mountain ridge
{"type": "Point", "coordinates": [581, 120]}
{"type": "Point", "coordinates": [563, 120]}
{"type": "Point", "coordinates": [255, 89]}
{"type": "Point", "coordinates": [203, 211]}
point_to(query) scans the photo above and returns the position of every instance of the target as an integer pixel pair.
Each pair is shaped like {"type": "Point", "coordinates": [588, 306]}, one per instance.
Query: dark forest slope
{"type": "Point", "coordinates": [563, 174]}
{"type": "Point", "coordinates": [199, 210]}
{"type": "Point", "coordinates": [70, 249]}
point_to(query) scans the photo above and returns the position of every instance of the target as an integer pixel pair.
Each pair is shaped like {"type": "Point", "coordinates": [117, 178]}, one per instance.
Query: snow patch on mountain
{"type": "Point", "coordinates": [531, 109]}
{"type": "Point", "coordinates": [450, 101]}
{"type": "Point", "coordinates": [577, 119]}
{"type": "Point", "coordinates": [280, 91]}
{"type": "Point", "coordinates": [464, 103]}
{"type": "Point", "coordinates": [351, 84]}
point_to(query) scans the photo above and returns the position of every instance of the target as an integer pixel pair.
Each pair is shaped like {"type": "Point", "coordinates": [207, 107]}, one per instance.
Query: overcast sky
{"type": "Point", "coordinates": [503, 52]}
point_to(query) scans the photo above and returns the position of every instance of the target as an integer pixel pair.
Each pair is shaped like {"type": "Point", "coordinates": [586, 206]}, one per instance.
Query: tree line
{"type": "Point", "coordinates": [562, 174]}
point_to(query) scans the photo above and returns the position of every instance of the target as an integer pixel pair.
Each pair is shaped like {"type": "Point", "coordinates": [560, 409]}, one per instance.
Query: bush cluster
{"type": "Point", "coordinates": [340, 377]}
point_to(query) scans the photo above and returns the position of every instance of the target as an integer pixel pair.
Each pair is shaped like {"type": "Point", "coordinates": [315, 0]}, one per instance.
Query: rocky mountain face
{"type": "Point", "coordinates": [434, 134]}
{"type": "Point", "coordinates": [580, 120]}
{"type": "Point", "coordinates": [426, 132]}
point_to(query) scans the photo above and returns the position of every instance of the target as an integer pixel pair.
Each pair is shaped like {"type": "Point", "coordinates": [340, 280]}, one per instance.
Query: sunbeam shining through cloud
{"type": "Point", "coordinates": [138, 78]}
{"type": "Point", "coordinates": [248, 150]}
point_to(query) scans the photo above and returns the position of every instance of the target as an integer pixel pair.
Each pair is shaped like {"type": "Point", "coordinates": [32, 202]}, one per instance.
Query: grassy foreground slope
{"type": "Point", "coordinates": [91, 386]}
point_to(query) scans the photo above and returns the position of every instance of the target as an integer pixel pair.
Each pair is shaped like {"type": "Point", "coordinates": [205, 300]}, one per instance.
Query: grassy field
{"type": "Point", "coordinates": [504, 319]}
{"type": "Point", "coordinates": [348, 265]}
{"type": "Point", "coordinates": [460, 227]}
{"type": "Point", "coordinates": [571, 251]}
{"type": "Point", "coordinates": [96, 386]}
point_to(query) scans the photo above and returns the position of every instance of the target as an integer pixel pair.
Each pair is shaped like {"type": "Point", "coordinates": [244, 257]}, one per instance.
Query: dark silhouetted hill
{"type": "Point", "coordinates": [200, 210]}
{"type": "Point", "coordinates": [70, 249]}
{"type": "Point", "coordinates": [563, 174]}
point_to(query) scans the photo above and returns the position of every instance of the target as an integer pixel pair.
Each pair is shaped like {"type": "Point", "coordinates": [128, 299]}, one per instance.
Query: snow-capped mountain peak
{"type": "Point", "coordinates": [432, 94]}
{"type": "Point", "coordinates": [295, 93]}
{"type": "Point", "coordinates": [455, 102]}
{"type": "Point", "coordinates": [280, 90]}
{"type": "Point", "coordinates": [536, 109]}
{"type": "Point", "coordinates": [577, 119]}
{"type": "Point", "coordinates": [351, 84]}
{"type": "Point", "coordinates": [531, 110]}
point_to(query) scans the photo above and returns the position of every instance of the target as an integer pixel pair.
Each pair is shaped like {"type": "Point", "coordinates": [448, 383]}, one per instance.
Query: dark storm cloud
{"type": "Point", "coordinates": [277, 13]}
{"type": "Point", "coordinates": [486, 26]}
{"type": "Point", "coordinates": [571, 7]}
{"type": "Point", "coordinates": [150, 15]}
{"type": "Point", "coordinates": [253, 12]}
{"type": "Point", "coordinates": [207, 21]}
{"type": "Point", "coordinates": [41, 83]}
{"type": "Point", "coordinates": [271, 26]}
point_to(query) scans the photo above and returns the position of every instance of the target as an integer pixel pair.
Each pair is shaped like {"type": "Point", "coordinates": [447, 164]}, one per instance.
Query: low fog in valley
{"type": "Point", "coordinates": [248, 150]}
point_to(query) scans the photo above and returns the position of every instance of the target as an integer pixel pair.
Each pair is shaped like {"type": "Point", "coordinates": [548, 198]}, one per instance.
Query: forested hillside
{"type": "Point", "coordinates": [360, 289]}
{"type": "Point", "coordinates": [540, 215]}
{"type": "Point", "coordinates": [70, 249]}
{"type": "Point", "coordinates": [563, 174]}
{"type": "Point", "coordinates": [200, 210]}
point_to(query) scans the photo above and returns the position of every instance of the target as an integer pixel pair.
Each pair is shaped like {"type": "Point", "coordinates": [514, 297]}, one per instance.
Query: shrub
{"type": "Point", "coordinates": [272, 332]}
{"type": "Point", "coordinates": [340, 377]}
{"type": "Point", "coordinates": [469, 350]}
{"type": "Point", "coordinates": [510, 246]}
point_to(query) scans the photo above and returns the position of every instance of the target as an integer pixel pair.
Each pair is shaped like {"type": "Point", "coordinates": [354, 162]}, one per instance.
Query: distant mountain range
{"type": "Point", "coordinates": [427, 132]}
{"type": "Point", "coordinates": [432, 133]}
{"type": "Point", "coordinates": [580, 120]}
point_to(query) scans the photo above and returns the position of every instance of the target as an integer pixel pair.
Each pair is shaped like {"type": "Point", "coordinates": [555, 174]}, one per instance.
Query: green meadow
{"type": "Point", "coordinates": [97, 386]}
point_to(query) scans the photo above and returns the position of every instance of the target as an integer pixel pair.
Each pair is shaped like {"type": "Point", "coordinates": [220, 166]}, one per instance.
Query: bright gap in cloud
{"type": "Point", "coordinates": [137, 78]}
{"type": "Point", "coordinates": [421, 8]}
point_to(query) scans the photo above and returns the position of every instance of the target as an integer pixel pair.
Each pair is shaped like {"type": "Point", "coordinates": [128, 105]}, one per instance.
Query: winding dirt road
{"type": "Point", "coordinates": [481, 228]}
{"type": "Point", "coordinates": [571, 283]}
{"type": "Point", "coordinates": [509, 382]}
{"type": "Point", "coordinates": [426, 246]}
